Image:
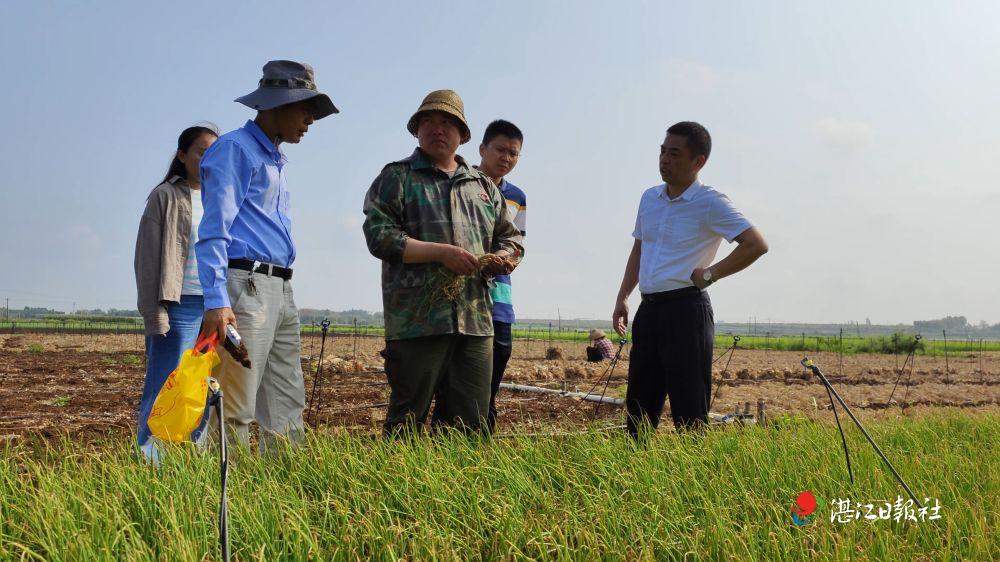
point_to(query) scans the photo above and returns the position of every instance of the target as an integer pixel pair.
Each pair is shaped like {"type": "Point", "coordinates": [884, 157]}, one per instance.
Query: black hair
{"type": "Point", "coordinates": [184, 142]}
{"type": "Point", "coordinates": [505, 128]}
{"type": "Point", "coordinates": [699, 142]}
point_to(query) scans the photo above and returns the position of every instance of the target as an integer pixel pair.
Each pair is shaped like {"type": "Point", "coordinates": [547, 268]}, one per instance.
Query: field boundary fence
{"type": "Point", "coordinates": [943, 344]}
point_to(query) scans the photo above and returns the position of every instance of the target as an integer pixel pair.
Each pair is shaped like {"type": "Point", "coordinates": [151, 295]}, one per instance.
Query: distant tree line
{"type": "Point", "coordinates": [948, 323]}
{"type": "Point", "coordinates": [342, 317]}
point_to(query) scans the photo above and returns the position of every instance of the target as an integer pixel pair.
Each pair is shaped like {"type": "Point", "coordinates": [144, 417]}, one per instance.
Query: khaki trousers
{"type": "Point", "coordinates": [272, 391]}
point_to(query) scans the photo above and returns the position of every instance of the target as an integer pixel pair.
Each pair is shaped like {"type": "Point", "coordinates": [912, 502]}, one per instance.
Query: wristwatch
{"type": "Point", "coordinates": [706, 276]}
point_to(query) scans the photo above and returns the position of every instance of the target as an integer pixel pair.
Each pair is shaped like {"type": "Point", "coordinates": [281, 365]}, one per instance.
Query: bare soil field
{"type": "Point", "coordinates": [89, 385]}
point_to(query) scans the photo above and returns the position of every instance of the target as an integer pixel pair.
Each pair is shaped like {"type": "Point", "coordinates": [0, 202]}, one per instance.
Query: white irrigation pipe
{"type": "Point", "coordinates": [540, 390]}
{"type": "Point", "coordinates": [715, 418]}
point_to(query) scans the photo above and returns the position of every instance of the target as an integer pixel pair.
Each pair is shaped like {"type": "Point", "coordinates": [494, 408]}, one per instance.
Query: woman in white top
{"type": "Point", "coordinates": [166, 273]}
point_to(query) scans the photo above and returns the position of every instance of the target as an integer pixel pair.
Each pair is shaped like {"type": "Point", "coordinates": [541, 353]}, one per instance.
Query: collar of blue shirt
{"type": "Point", "coordinates": [258, 134]}
{"type": "Point", "coordinates": [688, 194]}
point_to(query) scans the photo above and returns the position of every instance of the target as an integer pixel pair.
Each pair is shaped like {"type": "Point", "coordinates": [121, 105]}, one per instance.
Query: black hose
{"type": "Point", "coordinates": [608, 371]}
{"type": "Point", "coordinates": [843, 438]}
{"type": "Point", "coordinates": [611, 371]}
{"type": "Point", "coordinates": [216, 401]}
{"type": "Point", "coordinates": [829, 387]}
{"type": "Point", "coordinates": [731, 351]}
{"type": "Point", "coordinates": [319, 371]}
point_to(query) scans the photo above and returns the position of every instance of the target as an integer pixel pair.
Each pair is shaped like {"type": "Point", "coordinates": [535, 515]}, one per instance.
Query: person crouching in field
{"type": "Point", "coordinates": [678, 230]}
{"type": "Point", "coordinates": [245, 254]}
{"type": "Point", "coordinates": [600, 347]}
{"type": "Point", "coordinates": [166, 273]}
{"type": "Point", "coordinates": [430, 217]}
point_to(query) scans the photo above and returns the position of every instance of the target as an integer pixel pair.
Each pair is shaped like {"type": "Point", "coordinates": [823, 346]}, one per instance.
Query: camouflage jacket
{"type": "Point", "coordinates": [413, 199]}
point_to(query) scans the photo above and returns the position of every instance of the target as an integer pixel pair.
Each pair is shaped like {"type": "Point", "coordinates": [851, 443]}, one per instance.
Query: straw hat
{"type": "Point", "coordinates": [596, 335]}
{"type": "Point", "coordinates": [446, 101]}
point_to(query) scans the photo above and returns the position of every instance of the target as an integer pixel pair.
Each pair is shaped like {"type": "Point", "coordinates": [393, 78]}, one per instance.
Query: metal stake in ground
{"type": "Point", "coordinates": [840, 353]}
{"type": "Point", "coordinates": [947, 371]}
{"type": "Point", "coordinates": [807, 363]}
{"type": "Point", "coordinates": [355, 339]}
{"type": "Point", "coordinates": [325, 324]}
{"type": "Point", "coordinates": [215, 400]}
{"type": "Point", "coordinates": [982, 373]}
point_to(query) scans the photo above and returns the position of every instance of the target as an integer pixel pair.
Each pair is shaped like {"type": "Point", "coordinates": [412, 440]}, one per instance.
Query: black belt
{"type": "Point", "coordinates": [265, 268]}
{"type": "Point", "coordinates": [671, 295]}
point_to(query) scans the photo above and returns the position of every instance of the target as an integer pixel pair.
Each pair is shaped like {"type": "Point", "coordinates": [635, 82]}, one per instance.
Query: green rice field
{"type": "Point", "coordinates": [725, 495]}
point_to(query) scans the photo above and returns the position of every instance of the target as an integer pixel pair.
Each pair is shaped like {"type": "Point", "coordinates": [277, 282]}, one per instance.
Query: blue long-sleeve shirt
{"type": "Point", "coordinates": [246, 206]}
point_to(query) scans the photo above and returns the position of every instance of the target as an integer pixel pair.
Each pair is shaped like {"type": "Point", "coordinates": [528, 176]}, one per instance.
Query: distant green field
{"type": "Point", "coordinates": [97, 323]}
{"type": "Point", "coordinates": [900, 343]}
{"type": "Point", "coordinates": [726, 495]}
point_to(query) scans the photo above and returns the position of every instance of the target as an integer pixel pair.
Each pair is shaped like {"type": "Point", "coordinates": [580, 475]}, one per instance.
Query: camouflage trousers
{"type": "Point", "coordinates": [457, 367]}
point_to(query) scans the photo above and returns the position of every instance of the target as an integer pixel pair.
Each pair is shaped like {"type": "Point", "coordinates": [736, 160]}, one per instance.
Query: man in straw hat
{"type": "Point", "coordinates": [432, 219]}
{"type": "Point", "coordinates": [600, 347]}
{"type": "Point", "coordinates": [679, 227]}
{"type": "Point", "coordinates": [245, 253]}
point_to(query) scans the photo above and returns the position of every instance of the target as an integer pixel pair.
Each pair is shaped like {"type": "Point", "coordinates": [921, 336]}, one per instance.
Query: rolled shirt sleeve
{"type": "Point", "coordinates": [383, 226]}
{"type": "Point", "coordinates": [225, 180]}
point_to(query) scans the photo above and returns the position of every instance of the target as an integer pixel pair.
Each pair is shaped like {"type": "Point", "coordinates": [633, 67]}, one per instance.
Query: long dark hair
{"type": "Point", "coordinates": [184, 142]}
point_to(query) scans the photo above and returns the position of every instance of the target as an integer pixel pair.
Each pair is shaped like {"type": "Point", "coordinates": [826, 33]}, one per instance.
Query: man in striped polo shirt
{"type": "Point", "coordinates": [499, 152]}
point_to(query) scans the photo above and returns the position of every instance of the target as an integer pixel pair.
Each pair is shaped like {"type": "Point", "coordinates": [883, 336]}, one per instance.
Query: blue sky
{"type": "Point", "coordinates": [859, 137]}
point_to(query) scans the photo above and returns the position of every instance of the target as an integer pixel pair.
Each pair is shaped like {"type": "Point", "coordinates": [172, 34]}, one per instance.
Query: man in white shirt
{"type": "Point", "coordinates": [678, 230]}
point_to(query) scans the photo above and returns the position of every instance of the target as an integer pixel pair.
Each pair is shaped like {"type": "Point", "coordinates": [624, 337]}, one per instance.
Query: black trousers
{"type": "Point", "coordinates": [594, 355]}
{"type": "Point", "coordinates": [672, 338]}
{"type": "Point", "coordinates": [503, 346]}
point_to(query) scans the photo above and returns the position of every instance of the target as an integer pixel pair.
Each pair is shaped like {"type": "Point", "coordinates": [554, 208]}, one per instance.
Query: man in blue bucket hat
{"type": "Point", "coordinates": [245, 253]}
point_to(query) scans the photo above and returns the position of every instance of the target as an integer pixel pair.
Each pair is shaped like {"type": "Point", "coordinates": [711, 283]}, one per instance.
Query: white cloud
{"type": "Point", "coordinates": [845, 133]}
{"type": "Point", "coordinates": [692, 77]}
{"type": "Point", "coordinates": [352, 221]}
{"type": "Point", "coordinates": [85, 240]}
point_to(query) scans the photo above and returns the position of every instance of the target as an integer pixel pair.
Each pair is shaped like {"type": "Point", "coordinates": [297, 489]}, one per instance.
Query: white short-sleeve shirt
{"type": "Point", "coordinates": [680, 235]}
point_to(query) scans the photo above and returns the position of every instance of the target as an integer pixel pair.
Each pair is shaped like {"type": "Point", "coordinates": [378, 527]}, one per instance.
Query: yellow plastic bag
{"type": "Point", "coordinates": [180, 405]}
